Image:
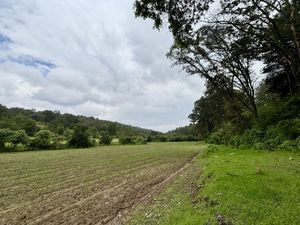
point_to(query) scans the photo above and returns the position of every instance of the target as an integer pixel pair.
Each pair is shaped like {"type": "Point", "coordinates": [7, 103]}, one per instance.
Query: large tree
{"type": "Point", "coordinates": [238, 27]}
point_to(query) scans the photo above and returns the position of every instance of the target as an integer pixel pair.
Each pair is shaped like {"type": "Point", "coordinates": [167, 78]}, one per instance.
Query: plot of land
{"type": "Point", "coordinates": [84, 186]}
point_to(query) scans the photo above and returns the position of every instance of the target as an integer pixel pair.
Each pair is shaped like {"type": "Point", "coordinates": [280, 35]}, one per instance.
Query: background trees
{"type": "Point", "coordinates": [23, 129]}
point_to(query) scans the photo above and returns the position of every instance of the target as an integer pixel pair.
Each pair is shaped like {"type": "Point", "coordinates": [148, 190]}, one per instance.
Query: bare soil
{"type": "Point", "coordinates": [98, 201]}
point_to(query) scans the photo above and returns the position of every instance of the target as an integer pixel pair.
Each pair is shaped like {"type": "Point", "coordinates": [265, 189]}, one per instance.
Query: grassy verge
{"type": "Point", "coordinates": [230, 187]}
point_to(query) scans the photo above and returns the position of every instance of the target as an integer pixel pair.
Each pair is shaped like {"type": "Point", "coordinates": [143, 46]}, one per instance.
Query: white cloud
{"type": "Point", "coordinates": [109, 64]}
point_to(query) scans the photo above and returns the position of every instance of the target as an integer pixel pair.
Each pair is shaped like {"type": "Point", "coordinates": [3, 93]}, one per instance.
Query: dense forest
{"type": "Point", "coordinates": [248, 52]}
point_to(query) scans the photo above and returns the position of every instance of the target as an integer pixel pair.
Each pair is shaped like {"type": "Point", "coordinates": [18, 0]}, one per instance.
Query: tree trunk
{"type": "Point", "coordinates": [296, 34]}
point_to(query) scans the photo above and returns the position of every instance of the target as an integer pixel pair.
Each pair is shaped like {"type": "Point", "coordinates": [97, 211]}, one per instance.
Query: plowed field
{"type": "Point", "coordinates": [85, 186]}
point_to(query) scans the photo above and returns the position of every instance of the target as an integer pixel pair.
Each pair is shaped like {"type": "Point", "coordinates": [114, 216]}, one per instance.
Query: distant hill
{"type": "Point", "coordinates": [25, 129]}
{"type": "Point", "coordinates": [19, 118]}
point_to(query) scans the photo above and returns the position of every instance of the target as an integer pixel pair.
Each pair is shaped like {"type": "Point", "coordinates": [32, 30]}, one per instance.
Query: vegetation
{"type": "Point", "coordinates": [22, 129]}
{"type": "Point", "coordinates": [230, 186]}
{"type": "Point", "coordinates": [225, 45]}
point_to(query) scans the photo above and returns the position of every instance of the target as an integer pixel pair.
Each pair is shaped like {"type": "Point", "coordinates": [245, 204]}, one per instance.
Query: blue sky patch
{"type": "Point", "coordinates": [43, 66]}
{"type": "Point", "coordinates": [4, 39]}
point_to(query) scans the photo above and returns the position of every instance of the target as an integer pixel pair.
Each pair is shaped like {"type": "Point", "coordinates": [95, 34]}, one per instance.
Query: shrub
{"type": "Point", "coordinates": [288, 145]}
{"type": "Point", "coordinates": [80, 138]}
{"type": "Point", "coordinates": [58, 141]}
{"type": "Point", "coordinates": [252, 136]}
{"type": "Point", "coordinates": [235, 141]}
{"type": "Point", "coordinates": [126, 140]}
{"type": "Point", "coordinates": [105, 139]}
{"type": "Point", "coordinates": [140, 140]}
{"type": "Point", "coordinates": [19, 140]}
{"type": "Point", "coordinates": [115, 141]}
{"type": "Point", "coordinates": [42, 140]}
{"type": "Point", "coordinates": [5, 135]}
{"type": "Point", "coordinates": [260, 146]}
{"type": "Point", "coordinates": [162, 139]}
{"type": "Point", "coordinates": [222, 135]}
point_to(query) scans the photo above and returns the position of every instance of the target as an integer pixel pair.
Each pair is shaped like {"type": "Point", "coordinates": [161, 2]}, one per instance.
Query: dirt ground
{"type": "Point", "coordinates": [97, 201]}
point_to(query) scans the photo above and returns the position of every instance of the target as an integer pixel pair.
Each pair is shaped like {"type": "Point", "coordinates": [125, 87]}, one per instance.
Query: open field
{"type": "Point", "coordinates": [228, 186]}
{"type": "Point", "coordinates": [84, 186]}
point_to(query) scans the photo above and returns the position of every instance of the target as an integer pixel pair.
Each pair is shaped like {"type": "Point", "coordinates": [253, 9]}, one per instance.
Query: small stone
{"type": "Point", "coordinates": [220, 219]}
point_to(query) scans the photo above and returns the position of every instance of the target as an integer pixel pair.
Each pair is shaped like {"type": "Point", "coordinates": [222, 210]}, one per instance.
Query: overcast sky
{"type": "Point", "coordinates": [93, 58]}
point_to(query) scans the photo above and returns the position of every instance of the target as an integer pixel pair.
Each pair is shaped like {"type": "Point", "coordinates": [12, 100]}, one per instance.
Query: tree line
{"type": "Point", "coordinates": [226, 42]}
{"type": "Point", "coordinates": [23, 129]}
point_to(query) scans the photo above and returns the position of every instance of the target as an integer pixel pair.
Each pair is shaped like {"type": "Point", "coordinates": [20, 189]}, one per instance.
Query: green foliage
{"type": "Point", "coordinates": [61, 129]}
{"type": "Point", "coordinates": [5, 136]}
{"type": "Point", "coordinates": [58, 141]}
{"type": "Point", "coordinates": [126, 140]}
{"type": "Point", "coordinates": [223, 135]}
{"type": "Point", "coordinates": [29, 126]}
{"type": "Point", "coordinates": [105, 139]}
{"type": "Point", "coordinates": [80, 138]}
{"type": "Point", "coordinates": [19, 140]}
{"type": "Point", "coordinates": [140, 140]}
{"type": "Point", "coordinates": [187, 133]}
{"type": "Point", "coordinates": [223, 51]}
{"type": "Point", "coordinates": [42, 140]}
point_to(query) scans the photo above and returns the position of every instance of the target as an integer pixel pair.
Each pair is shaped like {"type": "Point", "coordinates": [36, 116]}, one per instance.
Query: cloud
{"type": "Point", "coordinates": [92, 58]}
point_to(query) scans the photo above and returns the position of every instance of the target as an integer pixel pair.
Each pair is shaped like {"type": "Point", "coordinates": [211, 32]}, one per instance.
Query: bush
{"type": "Point", "coordinates": [42, 140]}
{"type": "Point", "coordinates": [80, 138]}
{"type": "Point", "coordinates": [19, 140]}
{"type": "Point", "coordinates": [115, 141]}
{"type": "Point", "coordinates": [252, 136]}
{"type": "Point", "coordinates": [126, 140]}
{"type": "Point", "coordinates": [5, 135]}
{"type": "Point", "coordinates": [140, 140]}
{"type": "Point", "coordinates": [179, 138]}
{"type": "Point", "coordinates": [235, 141]}
{"type": "Point", "coordinates": [288, 146]}
{"type": "Point", "coordinates": [162, 139]}
{"type": "Point", "coordinates": [58, 141]}
{"type": "Point", "coordinates": [260, 146]}
{"type": "Point", "coordinates": [222, 135]}
{"type": "Point", "coordinates": [105, 139]}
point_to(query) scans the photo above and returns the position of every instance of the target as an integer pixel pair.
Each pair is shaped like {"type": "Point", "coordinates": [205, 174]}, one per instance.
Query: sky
{"type": "Point", "coordinates": [93, 58]}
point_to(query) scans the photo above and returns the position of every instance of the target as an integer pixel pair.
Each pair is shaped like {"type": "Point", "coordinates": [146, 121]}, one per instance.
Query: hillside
{"type": "Point", "coordinates": [24, 128]}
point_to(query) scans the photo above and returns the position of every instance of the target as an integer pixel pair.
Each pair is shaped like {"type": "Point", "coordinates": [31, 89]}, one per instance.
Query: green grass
{"type": "Point", "coordinates": [243, 186]}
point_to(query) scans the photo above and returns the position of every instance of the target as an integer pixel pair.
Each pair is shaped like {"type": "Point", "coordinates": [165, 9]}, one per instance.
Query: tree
{"type": "Point", "coordinates": [213, 110]}
{"type": "Point", "coordinates": [274, 27]}
{"type": "Point", "coordinates": [223, 61]}
{"type": "Point", "coordinates": [221, 45]}
{"type": "Point", "coordinates": [29, 126]}
{"type": "Point", "coordinates": [105, 138]}
{"type": "Point", "coordinates": [80, 138]}
{"type": "Point", "coordinates": [209, 50]}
